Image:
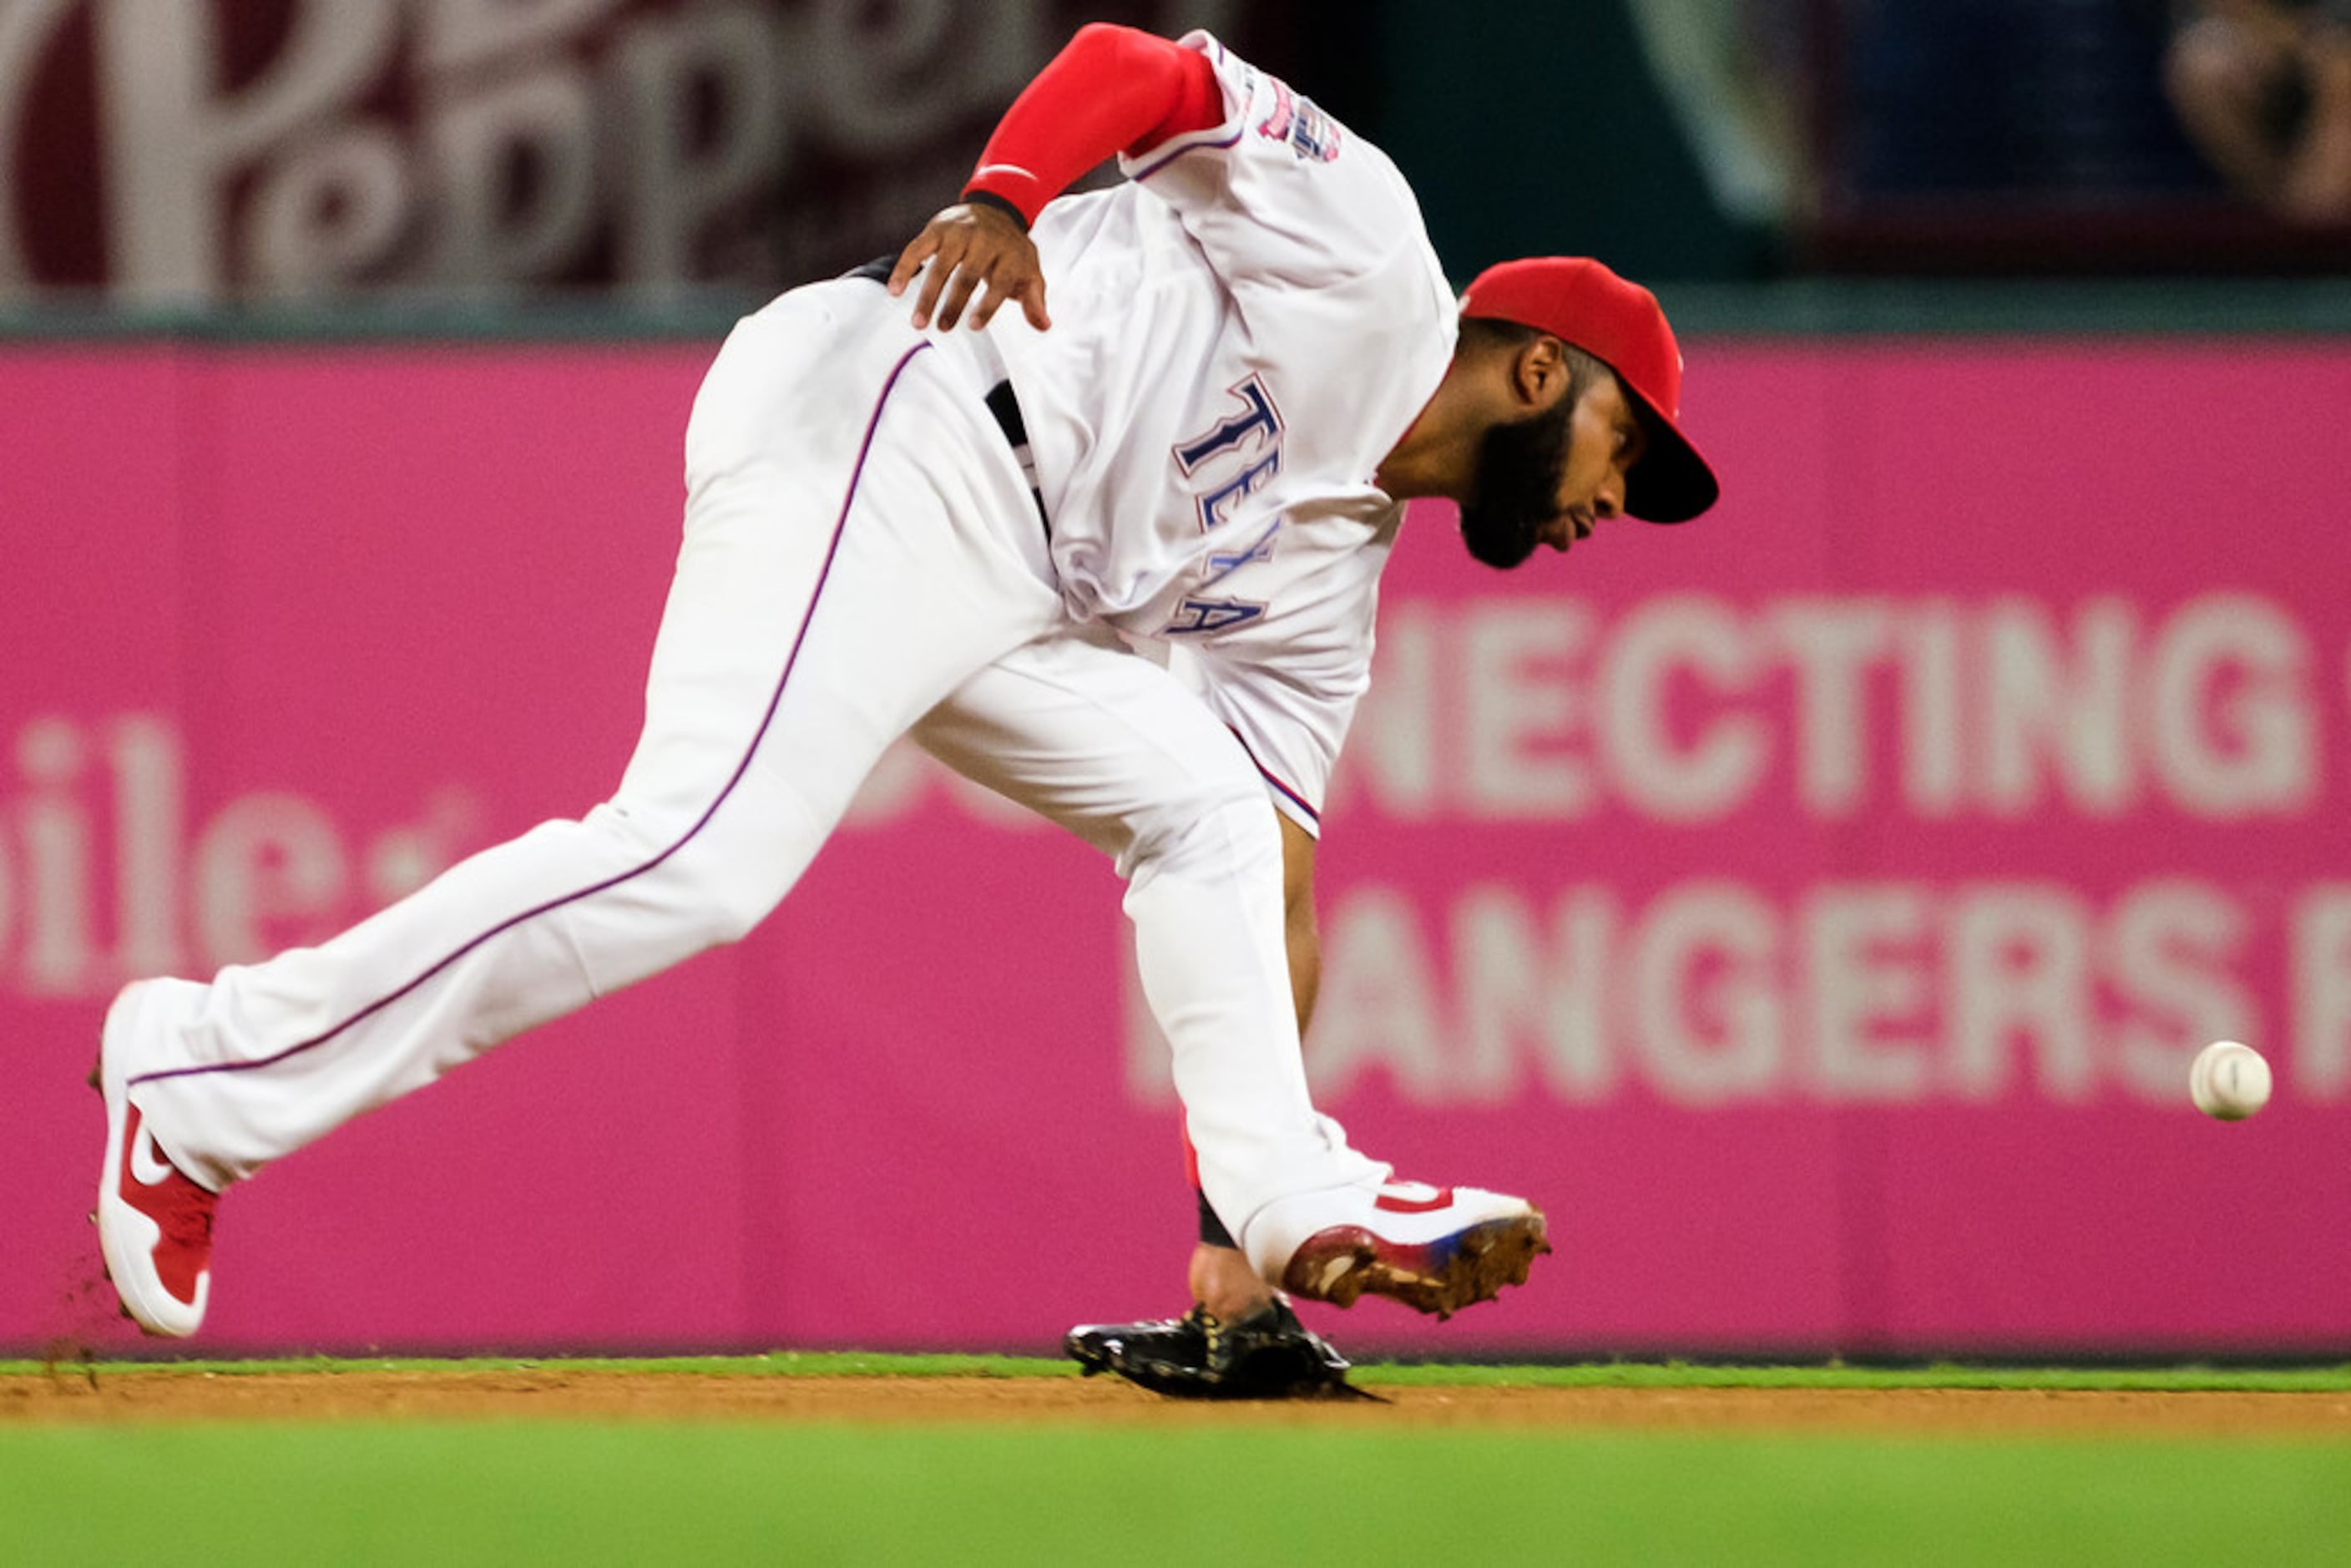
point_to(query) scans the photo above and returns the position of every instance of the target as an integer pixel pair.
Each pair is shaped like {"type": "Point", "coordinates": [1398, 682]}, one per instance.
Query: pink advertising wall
{"type": "Point", "coordinates": [1815, 907]}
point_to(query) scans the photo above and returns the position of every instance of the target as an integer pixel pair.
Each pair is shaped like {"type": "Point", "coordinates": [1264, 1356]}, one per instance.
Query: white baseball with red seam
{"type": "Point", "coordinates": [2229, 1082]}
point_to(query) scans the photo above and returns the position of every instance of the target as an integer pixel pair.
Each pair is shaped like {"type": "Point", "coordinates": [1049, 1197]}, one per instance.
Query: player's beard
{"type": "Point", "coordinates": [1518, 486]}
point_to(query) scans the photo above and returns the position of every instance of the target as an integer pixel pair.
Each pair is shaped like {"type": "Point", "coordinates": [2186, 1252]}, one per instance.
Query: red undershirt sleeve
{"type": "Point", "coordinates": [1112, 89]}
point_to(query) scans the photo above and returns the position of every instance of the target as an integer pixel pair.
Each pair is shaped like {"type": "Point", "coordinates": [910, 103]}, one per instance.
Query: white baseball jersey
{"type": "Point", "coordinates": [1243, 332]}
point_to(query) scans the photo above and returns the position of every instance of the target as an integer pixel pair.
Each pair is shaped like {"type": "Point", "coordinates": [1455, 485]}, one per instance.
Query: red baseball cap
{"type": "Point", "coordinates": [1577, 300]}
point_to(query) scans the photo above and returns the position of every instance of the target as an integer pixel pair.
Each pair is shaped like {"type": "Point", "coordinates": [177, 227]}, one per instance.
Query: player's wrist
{"type": "Point", "coordinates": [977, 195]}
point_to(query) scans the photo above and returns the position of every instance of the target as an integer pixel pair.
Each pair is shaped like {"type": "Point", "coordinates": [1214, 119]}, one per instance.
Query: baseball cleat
{"type": "Point", "coordinates": [1268, 1356]}
{"type": "Point", "coordinates": [1435, 1250]}
{"type": "Point", "coordinates": [154, 1224]}
{"type": "Point", "coordinates": [1098, 1348]}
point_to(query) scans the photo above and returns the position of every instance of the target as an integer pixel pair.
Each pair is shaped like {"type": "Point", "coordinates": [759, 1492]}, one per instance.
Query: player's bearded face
{"type": "Point", "coordinates": [1519, 468]}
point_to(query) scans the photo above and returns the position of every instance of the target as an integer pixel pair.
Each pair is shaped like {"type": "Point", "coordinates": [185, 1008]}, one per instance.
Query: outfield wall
{"type": "Point", "coordinates": [1814, 908]}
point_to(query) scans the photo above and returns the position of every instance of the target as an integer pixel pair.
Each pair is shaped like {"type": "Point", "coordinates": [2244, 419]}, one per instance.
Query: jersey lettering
{"type": "Point", "coordinates": [1217, 503]}
{"type": "Point", "coordinates": [1258, 415]}
{"type": "Point", "coordinates": [1197, 615]}
{"type": "Point", "coordinates": [1221, 567]}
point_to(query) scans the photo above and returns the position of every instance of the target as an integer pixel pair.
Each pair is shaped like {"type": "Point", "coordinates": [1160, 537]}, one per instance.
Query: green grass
{"type": "Point", "coordinates": [535, 1493]}
{"type": "Point", "coordinates": [588, 1492]}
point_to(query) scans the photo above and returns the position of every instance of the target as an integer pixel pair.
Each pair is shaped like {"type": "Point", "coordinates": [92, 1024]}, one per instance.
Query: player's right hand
{"type": "Point", "coordinates": [968, 246]}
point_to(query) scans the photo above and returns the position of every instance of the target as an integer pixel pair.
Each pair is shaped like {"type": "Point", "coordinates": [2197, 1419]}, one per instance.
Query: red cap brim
{"type": "Point", "coordinates": [1671, 483]}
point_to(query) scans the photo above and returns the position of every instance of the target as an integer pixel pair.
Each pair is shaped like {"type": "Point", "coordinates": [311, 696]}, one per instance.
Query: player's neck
{"type": "Point", "coordinates": [1439, 455]}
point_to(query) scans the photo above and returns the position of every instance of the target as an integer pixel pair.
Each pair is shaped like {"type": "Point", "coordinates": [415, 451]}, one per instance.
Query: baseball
{"type": "Point", "coordinates": [2229, 1082]}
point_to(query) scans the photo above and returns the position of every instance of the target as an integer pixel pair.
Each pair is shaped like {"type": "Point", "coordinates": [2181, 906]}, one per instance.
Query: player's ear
{"type": "Point", "coordinates": [1539, 373]}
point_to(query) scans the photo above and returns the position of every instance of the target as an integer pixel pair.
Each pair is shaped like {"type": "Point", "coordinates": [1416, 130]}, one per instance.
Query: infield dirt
{"type": "Point", "coordinates": [74, 1395]}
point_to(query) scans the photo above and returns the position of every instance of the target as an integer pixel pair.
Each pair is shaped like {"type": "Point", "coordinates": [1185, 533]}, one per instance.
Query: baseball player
{"type": "Point", "coordinates": [908, 512]}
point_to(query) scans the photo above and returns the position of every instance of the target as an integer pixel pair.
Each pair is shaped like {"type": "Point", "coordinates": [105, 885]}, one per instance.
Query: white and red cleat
{"type": "Point", "coordinates": [1435, 1250]}
{"type": "Point", "coordinates": [154, 1224]}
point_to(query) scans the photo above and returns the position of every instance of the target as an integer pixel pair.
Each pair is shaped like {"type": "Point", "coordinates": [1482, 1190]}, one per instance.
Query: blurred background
{"type": "Point", "coordinates": [640, 151]}
{"type": "Point", "coordinates": [1816, 907]}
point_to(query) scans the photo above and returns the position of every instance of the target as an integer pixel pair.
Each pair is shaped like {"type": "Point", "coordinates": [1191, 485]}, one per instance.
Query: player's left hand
{"type": "Point", "coordinates": [967, 246]}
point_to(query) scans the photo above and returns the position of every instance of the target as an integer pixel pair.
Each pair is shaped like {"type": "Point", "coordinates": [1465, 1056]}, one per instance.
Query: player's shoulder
{"type": "Point", "coordinates": [1264, 115]}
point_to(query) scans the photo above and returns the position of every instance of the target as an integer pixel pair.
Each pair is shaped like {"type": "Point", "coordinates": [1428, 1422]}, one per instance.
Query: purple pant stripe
{"type": "Point", "coordinates": [774, 700]}
{"type": "Point", "coordinates": [1292, 796]}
